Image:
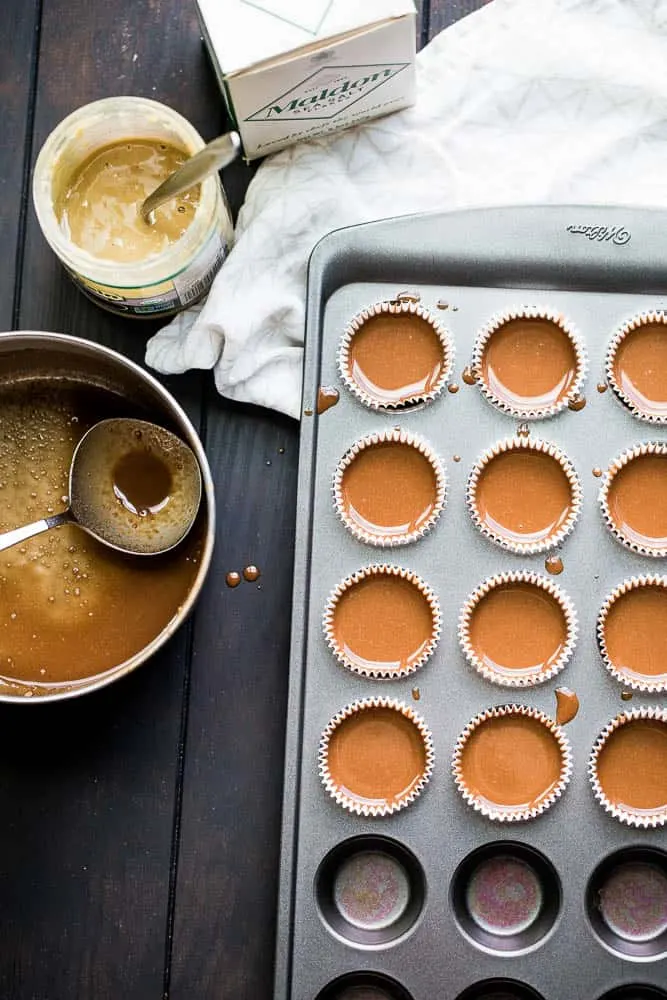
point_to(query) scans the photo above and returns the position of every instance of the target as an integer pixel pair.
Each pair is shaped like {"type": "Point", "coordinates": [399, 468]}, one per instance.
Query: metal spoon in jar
{"type": "Point", "coordinates": [134, 486]}
{"type": "Point", "coordinates": [207, 161]}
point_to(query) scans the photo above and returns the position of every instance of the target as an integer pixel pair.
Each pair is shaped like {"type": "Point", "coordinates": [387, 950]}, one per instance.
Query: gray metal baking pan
{"type": "Point", "coordinates": [598, 265]}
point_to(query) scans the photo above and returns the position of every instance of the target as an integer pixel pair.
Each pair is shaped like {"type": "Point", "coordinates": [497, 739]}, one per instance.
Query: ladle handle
{"type": "Point", "coordinates": [9, 538]}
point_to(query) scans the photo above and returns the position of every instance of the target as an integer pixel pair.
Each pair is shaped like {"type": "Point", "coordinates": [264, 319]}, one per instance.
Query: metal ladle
{"type": "Point", "coordinates": [134, 486]}
{"type": "Point", "coordinates": [207, 161]}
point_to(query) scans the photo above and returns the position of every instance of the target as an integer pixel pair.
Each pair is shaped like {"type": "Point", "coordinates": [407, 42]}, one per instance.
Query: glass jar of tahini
{"type": "Point", "coordinates": [91, 176]}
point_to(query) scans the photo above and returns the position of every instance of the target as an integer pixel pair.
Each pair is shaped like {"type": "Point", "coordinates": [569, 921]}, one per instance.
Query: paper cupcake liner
{"type": "Point", "coordinates": [647, 448]}
{"type": "Point", "coordinates": [523, 679]}
{"type": "Point", "coordinates": [641, 319]}
{"type": "Point", "coordinates": [346, 801]}
{"type": "Point", "coordinates": [646, 683]}
{"type": "Point", "coordinates": [511, 545]}
{"type": "Point", "coordinates": [534, 412]}
{"type": "Point", "coordinates": [512, 814]}
{"type": "Point", "coordinates": [629, 817]}
{"type": "Point", "coordinates": [364, 574]}
{"type": "Point", "coordinates": [398, 436]}
{"type": "Point", "coordinates": [401, 306]}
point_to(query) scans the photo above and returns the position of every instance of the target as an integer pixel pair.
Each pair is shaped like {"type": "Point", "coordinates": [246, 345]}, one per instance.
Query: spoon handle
{"type": "Point", "coordinates": [213, 157]}
{"type": "Point", "coordinates": [9, 538]}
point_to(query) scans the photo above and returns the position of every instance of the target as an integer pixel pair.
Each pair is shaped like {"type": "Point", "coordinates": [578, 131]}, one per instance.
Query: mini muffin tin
{"type": "Point", "coordinates": [437, 901]}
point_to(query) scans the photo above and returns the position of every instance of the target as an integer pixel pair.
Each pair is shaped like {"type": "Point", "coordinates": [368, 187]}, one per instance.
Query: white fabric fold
{"type": "Point", "coordinates": [523, 102]}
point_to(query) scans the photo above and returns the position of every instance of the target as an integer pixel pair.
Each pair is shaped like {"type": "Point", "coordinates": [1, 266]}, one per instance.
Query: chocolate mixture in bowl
{"type": "Point", "coordinates": [70, 607]}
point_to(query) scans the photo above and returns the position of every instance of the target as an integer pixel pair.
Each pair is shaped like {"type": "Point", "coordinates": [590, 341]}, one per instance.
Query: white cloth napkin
{"type": "Point", "coordinates": [525, 101]}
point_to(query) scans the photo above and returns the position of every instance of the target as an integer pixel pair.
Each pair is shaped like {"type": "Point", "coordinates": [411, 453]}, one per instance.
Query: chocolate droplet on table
{"type": "Point", "coordinates": [251, 573]}
{"type": "Point", "coordinates": [577, 404]}
{"type": "Point", "coordinates": [468, 375]}
{"type": "Point", "coordinates": [233, 579]}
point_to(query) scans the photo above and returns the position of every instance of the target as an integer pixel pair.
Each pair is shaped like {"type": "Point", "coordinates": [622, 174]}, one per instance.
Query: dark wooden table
{"type": "Point", "coordinates": [139, 826]}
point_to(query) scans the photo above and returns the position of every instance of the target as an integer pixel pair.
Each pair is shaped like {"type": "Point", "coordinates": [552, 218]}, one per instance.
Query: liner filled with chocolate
{"type": "Point", "coordinates": [529, 362]}
{"type": "Point", "coordinates": [518, 629]}
{"type": "Point", "coordinates": [389, 488]}
{"type": "Point", "coordinates": [511, 763]}
{"type": "Point", "coordinates": [633, 498]}
{"type": "Point", "coordinates": [395, 355]}
{"type": "Point", "coordinates": [636, 366]}
{"type": "Point", "coordinates": [632, 633]}
{"type": "Point", "coordinates": [524, 495]}
{"type": "Point", "coordinates": [628, 767]}
{"type": "Point", "coordinates": [375, 756]}
{"type": "Point", "coordinates": [382, 621]}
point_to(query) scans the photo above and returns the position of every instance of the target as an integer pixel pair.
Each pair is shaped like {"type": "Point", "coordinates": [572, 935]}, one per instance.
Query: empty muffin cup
{"type": "Point", "coordinates": [518, 629]}
{"type": "Point", "coordinates": [529, 362]}
{"type": "Point", "coordinates": [389, 488]}
{"type": "Point", "coordinates": [535, 517]}
{"type": "Point", "coordinates": [626, 902]}
{"type": "Point", "coordinates": [370, 890]}
{"type": "Point", "coordinates": [628, 767]}
{"type": "Point", "coordinates": [394, 355]}
{"type": "Point", "coordinates": [364, 986]}
{"type": "Point", "coordinates": [382, 621]}
{"type": "Point", "coordinates": [633, 499]}
{"type": "Point", "coordinates": [632, 633]}
{"type": "Point", "coordinates": [636, 366]}
{"type": "Point", "coordinates": [511, 763]}
{"type": "Point", "coordinates": [375, 756]}
{"type": "Point", "coordinates": [506, 896]}
{"type": "Point", "coordinates": [499, 989]}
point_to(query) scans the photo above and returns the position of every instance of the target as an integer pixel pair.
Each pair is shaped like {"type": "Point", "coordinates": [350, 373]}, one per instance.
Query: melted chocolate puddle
{"type": "Point", "coordinates": [567, 705]}
{"type": "Point", "coordinates": [327, 396]}
{"type": "Point", "coordinates": [142, 482]}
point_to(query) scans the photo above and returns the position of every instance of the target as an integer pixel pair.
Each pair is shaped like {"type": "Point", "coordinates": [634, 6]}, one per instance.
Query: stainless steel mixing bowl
{"type": "Point", "coordinates": [27, 356]}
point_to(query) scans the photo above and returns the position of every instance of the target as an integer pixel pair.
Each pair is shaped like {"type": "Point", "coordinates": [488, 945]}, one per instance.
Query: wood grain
{"type": "Point", "coordinates": [19, 26]}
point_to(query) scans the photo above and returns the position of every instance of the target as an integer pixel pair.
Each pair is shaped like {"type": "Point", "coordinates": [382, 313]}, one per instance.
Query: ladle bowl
{"type": "Point", "coordinates": [133, 486]}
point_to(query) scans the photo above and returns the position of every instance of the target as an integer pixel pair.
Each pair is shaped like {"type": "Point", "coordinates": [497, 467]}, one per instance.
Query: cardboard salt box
{"type": "Point", "coordinates": [292, 70]}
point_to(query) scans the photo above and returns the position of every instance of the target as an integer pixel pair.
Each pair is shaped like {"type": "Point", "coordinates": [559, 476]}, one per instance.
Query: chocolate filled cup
{"type": "Point", "coordinates": [636, 366]}
{"type": "Point", "coordinates": [511, 763]}
{"type": "Point", "coordinates": [394, 355]}
{"type": "Point", "coordinates": [633, 499]}
{"type": "Point", "coordinates": [375, 757]}
{"type": "Point", "coordinates": [382, 621]}
{"type": "Point", "coordinates": [518, 629]}
{"type": "Point", "coordinates": [628, 767]}
{"type": "Point", "coordinates": [389, 488]}
{"type": "Point", "coordinates": [524, 495]}
{"type": "Point", "coordinates": [632, 633]}
{"type": "Point", "coordinates": [529, 362]}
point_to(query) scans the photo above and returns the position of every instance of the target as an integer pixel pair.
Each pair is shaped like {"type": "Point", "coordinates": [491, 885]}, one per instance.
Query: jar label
{"type": "Point", "coordinates": [162, 297]}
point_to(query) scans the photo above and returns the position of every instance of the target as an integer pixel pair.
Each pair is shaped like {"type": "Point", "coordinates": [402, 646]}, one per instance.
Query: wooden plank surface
{"type": "Point", "coordinates": [19, 27]}
{"type": "Point", "coordinates": [140, 829]}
